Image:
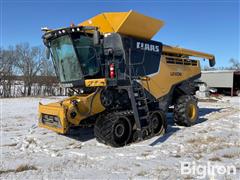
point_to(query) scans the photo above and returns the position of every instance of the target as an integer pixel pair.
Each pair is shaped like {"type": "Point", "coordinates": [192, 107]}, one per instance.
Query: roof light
{"type": "Point", "coordinates": [45, 29]}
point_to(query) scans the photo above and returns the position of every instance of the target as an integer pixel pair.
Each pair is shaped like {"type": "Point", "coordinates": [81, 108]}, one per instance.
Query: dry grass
{"type": "Point", "coordinates": [192, 141]}
{"type": "Point", "coordinates": [161, 169]}
{"type": "Point", "coordinates": [203, 131]}
{"type": "Point", "coordinates": [31, 141]}
{"type": "Point", "coordinates": [25, 168]}
{"type": "Point", "coordinates": [6, 171]}
{"type": "Point", "coordinates": [218, 147]}
{"type": "Point", "coordinates": [229, 156]}
{"type": "Point", "coordinates": [215, 159]}
{"type": "Point", "coordinates": [142, 173]}
{"type": "Point", "coordinates": [71, 143]}
{"type": "Point", "coordinates": [188, 177]}
{"type": "Point", "coordinates": [198, 156]}
{"type": "Point", "coordinates": [13, 144]}
{"type": "Point", "coordinates": [20, 168]}
{"type": "Point", "coordinates": [136, 164]}
{"type": "Point", "coordinates": [201, 141]}
{"type": "Point", "coordinates": [176, 156]}
{"type": "Point", "coordinates": [19, 117]}
{"type": "Point", "coordinates": [145, 154]}
{"type": "Point", "coordinates": [201, 145]}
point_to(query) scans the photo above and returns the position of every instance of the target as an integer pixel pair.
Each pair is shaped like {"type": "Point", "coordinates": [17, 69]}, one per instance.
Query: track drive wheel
{"type": "Point", "coordinates": [186, 110]}
{"type": "Point", "coordinates": [113, 129]}
{"type": "Point", "coordinates": [159, 123]}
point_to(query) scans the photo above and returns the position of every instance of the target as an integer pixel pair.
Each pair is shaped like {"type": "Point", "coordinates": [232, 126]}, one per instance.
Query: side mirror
{"type": "Point", "coordinates": [47, 52]}
{"type": "Point", "coordinates": [96, 37]}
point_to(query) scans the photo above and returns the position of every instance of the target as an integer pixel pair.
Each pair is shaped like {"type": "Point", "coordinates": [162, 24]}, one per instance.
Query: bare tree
{"type": "Point", "coordinates": [29, 62]}
{"type": "Point", "coordinates": [235, 64]}
{"type": "Point", "coordinates": [24, 70]}
{"type": "Point", "coordinates": [47, 73]}
{"type": "Point", "coordinates": [47, 68]}
{"type": "Point", "coordinates": [7, 62]}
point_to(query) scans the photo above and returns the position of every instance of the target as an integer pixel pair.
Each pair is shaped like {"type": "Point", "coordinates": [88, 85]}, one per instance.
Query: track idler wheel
{"type": "Point", "coordinates": [107, 98]}
{"type": "Point", "coordinates": [114, 129]}
{"type": "Point", "coordinates": [158, 121]}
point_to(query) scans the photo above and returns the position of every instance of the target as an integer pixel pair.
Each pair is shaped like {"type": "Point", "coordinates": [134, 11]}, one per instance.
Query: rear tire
{"type": "Point", "coordinates": [186, 110]}
{"type": "Point", "coordinates": [113, 129]}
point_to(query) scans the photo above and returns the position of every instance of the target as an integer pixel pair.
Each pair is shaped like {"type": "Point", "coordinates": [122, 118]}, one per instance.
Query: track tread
{"type": "Point", "coordinates": [103, 128]}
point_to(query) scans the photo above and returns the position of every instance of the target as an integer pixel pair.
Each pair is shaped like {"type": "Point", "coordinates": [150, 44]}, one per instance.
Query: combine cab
{"type": "Point", "coordinates": [123, 81]}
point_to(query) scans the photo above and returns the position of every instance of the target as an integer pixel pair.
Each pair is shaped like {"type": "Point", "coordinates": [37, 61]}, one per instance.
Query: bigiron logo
{"type": "Point", "coordinates": [147, 47]}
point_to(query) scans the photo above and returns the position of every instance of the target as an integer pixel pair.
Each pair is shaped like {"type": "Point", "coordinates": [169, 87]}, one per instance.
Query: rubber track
{"type": "Point", "coordinates": [104, 127]}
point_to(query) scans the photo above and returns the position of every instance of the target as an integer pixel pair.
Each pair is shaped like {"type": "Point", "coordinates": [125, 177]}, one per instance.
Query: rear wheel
{"type": "Point", "coordinates": [113, 129]}
{"type": "Point", "coordinates": [186, 110]}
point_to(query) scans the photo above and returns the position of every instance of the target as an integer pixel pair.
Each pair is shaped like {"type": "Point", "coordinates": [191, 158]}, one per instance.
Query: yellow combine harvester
{"type": "Point", "coordinates": [121, 80]}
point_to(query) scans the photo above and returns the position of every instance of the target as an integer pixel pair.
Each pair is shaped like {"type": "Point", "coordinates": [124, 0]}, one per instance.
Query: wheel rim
{"type": "Point", "coordinates": [157, 123]}
{"type": "Point", "coordinates": [122, 131]}
{"type": "Point", "coordinates": [106, 98]}
{"type": "Point", "coordinates": [119, 130]}
{"type": "Point", "coordinates": [192, 112]}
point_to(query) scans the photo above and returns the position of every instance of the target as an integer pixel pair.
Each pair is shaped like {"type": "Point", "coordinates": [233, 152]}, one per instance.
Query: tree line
{"type": "Point", "coordinates": [234, 64]}
{"type": "Point", "coordinates": [25, 71]}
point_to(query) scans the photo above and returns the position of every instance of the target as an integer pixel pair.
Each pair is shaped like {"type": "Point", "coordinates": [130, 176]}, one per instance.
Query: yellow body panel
{"type": "Point", "coordinates": [160, 83]}
{"type": "Point", "coordinates": [127, 23]}
{"type": "Point", "coordinates": [54, 109]}
{"type": "Point", "coordinates": [83, 110]}
{"type": "Point", "coordinates": [95, 82]}
{"type": "Point", "coordinates": [187, 52]}
{"type": "Point", "coordinates": [63, 110]}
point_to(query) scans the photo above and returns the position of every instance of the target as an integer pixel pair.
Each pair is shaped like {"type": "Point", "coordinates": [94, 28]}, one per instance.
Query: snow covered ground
{"type": "Point", "coordinates": [29, 152]}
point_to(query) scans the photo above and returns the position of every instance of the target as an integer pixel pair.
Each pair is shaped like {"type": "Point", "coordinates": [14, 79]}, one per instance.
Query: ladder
{"type": "Point", "coordinates": [139, 103]}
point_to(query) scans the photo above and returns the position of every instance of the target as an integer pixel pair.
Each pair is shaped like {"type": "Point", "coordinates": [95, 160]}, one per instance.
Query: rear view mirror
{"type": "Point", "coordinates": [96, 37]}
{"type": "Point", "coordinates": [47, 52]}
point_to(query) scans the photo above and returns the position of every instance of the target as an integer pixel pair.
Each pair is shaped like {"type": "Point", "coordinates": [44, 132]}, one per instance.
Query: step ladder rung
{"type": "Point", "coordinates": [138, 97]}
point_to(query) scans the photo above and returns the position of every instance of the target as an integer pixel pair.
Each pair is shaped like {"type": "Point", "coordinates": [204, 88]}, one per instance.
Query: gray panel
{"type": "Point", "coordinates": [218, 79]}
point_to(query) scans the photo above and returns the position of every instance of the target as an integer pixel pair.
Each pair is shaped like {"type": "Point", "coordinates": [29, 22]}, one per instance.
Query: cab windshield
{"type": "Point", "coordinates": [74, 57]}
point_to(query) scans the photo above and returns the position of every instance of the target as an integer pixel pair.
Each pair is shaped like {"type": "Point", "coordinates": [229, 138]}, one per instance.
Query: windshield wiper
{"type": "Point", "coordinates": [63, 71]}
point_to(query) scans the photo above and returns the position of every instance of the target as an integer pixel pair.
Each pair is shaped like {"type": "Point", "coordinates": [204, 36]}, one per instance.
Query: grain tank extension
{"type": "Point", "coordinates": [121, 81]}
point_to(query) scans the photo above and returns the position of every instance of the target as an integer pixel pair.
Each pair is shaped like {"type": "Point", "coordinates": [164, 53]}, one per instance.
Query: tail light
{"type": "Point", "coordinates": [112, 71]}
